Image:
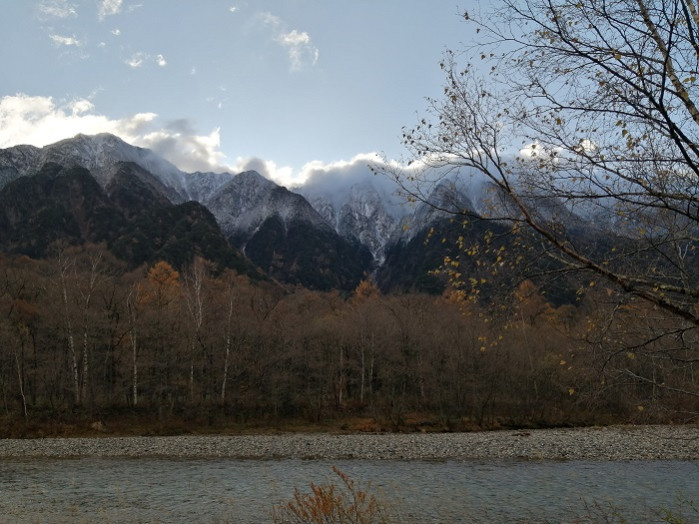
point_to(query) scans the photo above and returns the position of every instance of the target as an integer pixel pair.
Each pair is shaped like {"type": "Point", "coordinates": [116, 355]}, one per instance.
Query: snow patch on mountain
{"type": "Point", "coordinates": [99, 154]}
{"type": "Point", "coordinates": [202, 186]}
{"type": "Point", "coordinates": [243, 204]}
{"type": "Point", "coordinates": [363, 208]}
{"type": "Point", "coordinates": [16, 162]}
{"type": "Point", "coordinates": [355, 203]}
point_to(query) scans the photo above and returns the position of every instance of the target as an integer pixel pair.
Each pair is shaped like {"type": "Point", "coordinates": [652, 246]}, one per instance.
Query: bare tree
{"type": "Point", "coordinates": [193, 293]}
{"type": "Point", "coordinates": [230, 296]}
{"type": "Point", "coordinates": [65, 264]}
{"type": "Point", "coordinates": [18, 316]}
{"type": "Point", "coordinates": [133, 299]}
{"type": "Point", "coordinates": [579, 112]}
{"type": "Point", "coordinates": [159, 335]}
{"type": "Point", "coordinates": [591, 105]}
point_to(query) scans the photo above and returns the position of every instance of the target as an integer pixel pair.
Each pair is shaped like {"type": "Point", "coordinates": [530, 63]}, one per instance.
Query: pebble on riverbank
{"type": "Point", "coordinates": [606, 443]}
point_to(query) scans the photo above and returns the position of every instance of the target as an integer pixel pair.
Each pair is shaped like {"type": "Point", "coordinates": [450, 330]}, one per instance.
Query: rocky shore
{"type": "Point", "coordinates": [606, 443]}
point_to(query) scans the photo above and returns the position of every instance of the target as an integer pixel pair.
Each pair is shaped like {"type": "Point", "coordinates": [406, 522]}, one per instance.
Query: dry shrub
{"type": "Point", "coordinates": [343, 502]}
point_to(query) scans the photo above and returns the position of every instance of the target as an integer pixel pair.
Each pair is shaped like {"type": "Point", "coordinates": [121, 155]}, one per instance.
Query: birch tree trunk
{"type": "Point", "coordinates": [132, 313]}
{"type": "Point", "coordinates": [227, 347]}
{"type": "Point", "coordinates": [64, 264]}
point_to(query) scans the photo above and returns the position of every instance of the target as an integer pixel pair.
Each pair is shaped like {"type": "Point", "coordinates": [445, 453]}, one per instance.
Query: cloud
{"type": "Point", "coordinates": [319, 174]}
{"type": "Point", "coordinates": [301, 50]}
{"type": "Point", "coordinates": [40, 121]}
{"type": "Point", "coordinates": [233, 9]}
{"type": "Point", "coordinates": [57, 9]}
{"type": "Point", "coordinates": [139, 59]}
{"type": "Point", "coordinates": [109, 8]}
{"type": "Point", "coordinates": [78, 107]}
{"type": "Point", "coordinates": [136, 60]}
{"type": "Point", "coordinates": [65, 40]}
{"type": "Point", "coordinates": [342, 173]}
{"type": "Point", "coordinates": [283, 175]}
{"type": "Point", "coordinates": [298, 44]}
{"type": "Point", "coordinates": [316, 171]}
{"type": "Point", "coordinates": [116, 32]}
{"type": "Point", "coordinates": [179, 143]}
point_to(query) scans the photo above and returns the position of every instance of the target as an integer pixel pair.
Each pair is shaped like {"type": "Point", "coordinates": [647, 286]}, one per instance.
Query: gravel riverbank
{"type": "Point", "coordinates": [608, 443]}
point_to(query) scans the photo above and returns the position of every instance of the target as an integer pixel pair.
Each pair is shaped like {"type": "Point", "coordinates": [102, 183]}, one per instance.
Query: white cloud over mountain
{"type": "Point", "coordinates": [40, 121]}
{"type": "Point", "coordinates": [323, 176]}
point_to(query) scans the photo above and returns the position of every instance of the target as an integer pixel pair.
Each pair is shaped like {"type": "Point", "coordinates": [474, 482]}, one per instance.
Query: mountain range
{"type": "Point", "coordinates": [320, 236]}
{"type": "Point", "coordinates": [101, 189]}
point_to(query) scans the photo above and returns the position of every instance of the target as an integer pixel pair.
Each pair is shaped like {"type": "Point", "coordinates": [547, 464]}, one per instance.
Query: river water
{"type": "Point", "coordinates": [242, 491]}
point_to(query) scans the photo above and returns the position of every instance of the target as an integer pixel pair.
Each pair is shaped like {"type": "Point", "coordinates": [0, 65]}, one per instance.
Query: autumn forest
{"type": "Point", "coordinates": [91, 347]}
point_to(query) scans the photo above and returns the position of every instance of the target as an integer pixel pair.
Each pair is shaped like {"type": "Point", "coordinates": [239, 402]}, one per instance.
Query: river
{"type": "Point", "coordinates": [242, 491]}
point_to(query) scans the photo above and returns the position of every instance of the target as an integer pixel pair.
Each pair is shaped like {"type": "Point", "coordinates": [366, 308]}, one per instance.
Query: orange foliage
{"type": "Point", "coordinates": [162, 285]}
{"type": "Point", "coordinates": [531, 304]}
{"type": "Point", "coordinates": [366, 290]}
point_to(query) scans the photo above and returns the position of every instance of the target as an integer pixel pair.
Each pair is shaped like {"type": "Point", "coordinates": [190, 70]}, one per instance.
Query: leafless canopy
{"type": "Point", "coordinates": [591, 104]}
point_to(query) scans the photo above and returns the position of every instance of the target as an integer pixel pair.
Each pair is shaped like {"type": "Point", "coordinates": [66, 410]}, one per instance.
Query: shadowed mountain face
{"type": "Point", "coordinates": [100, 189]}
{"type": "Point", "coordinates": [298, 253]}
{"type": "Point", "coordinates": [277, 229]}
{"type": "Point", "coordinates": [55, 205]}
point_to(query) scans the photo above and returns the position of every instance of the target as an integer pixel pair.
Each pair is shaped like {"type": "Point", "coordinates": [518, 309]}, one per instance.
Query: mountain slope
{"type": "Point", "coordinates": [282, 233]}
{"type": "Point", "coordinates": [99, 154]}
{"type": "Point", "coordinates": [56, 204]}
{"type": "Point", "coordinates": [65, 205]}
{"type": "Point", "coordinates": [355, 227]}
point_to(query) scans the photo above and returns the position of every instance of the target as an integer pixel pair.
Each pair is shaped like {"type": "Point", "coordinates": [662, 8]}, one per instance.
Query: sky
{"type": "Point", "coordinates": [291, 88]}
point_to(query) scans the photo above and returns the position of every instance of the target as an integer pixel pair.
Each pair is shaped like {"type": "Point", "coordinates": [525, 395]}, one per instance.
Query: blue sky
{"type": "Point", "coordinates": [287, 87]}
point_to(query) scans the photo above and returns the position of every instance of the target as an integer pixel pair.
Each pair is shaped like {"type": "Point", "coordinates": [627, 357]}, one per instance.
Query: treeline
{"type": "Point", "coordinates": [79, 335]}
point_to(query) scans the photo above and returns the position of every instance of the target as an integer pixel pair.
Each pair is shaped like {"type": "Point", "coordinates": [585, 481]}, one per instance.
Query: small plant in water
{"type": "Point", "coordinates": [332, 503]}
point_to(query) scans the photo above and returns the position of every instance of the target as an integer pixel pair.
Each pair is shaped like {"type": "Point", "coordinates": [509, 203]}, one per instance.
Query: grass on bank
{"type": "Point", "coordinates": [343, 501]}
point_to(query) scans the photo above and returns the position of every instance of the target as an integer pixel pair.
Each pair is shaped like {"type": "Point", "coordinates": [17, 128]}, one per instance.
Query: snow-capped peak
{"type": "Point", "coordinates": [98, 153]}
